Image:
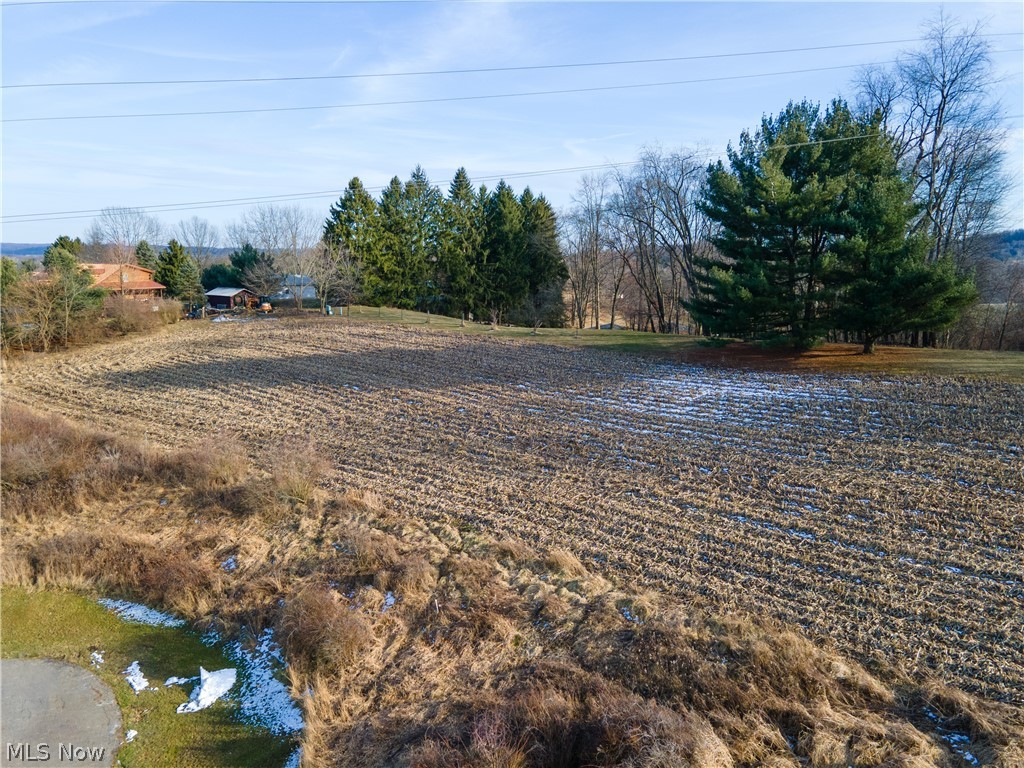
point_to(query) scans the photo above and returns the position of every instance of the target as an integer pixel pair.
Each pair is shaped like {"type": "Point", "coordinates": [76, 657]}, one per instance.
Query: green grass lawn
{"type": "Point", "coordinates": [69, 627]}
{"type": "Point", "coordinates": [835, 358]}
{"type": "Point", "coordinates": [621, 341]}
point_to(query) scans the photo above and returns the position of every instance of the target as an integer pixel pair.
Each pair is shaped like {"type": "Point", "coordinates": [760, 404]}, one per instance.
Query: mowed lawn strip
{"type": "Point", "coordinates": [69, 627]}
{"type": "Point", "coordinates": [827, 358]}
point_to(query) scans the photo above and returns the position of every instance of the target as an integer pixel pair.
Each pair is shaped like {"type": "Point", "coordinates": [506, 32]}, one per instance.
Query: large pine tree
{"type": "Point", "coordinates": [545, 267]}
{"type": "Point", "coordinates": [885, 282]}
{"type": "Point", "coordinates": [462, 244]}
{"type": "Point", "coordinates": [815, 234]}
{"type": "Point", "coordinates": [505, 279]}
{"type": "Point", "coordinates": [178, 271]}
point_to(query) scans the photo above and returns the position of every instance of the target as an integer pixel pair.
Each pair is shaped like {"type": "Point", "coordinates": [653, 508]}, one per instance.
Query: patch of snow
{"type": "Point", "coordinates": [130, 736]}
{"type": "Point", "coordinates": [178, 680]}
{"type": "Point", "coordinates": [294, 758]}
{"type": "Point", "coordinates": [630, 616]}
{"type": "Point", "coordinates": [389, 601]}
{"type": "Point", "coordinates": [97, 658]}
{"type": "Point", "coordinates": [265, 700]}
{"type": "Point", "coordinates": [133, 675]}
{"type": "Point", "coordinates": [140, 614]}
{"type": "Point", "coordinates": [230, 564]}
{"type": "Point", "coordinates": [212, 685]}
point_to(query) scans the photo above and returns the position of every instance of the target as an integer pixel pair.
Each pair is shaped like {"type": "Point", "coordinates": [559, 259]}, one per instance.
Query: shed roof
{"type": "Point", "coordinates": [225, 291]}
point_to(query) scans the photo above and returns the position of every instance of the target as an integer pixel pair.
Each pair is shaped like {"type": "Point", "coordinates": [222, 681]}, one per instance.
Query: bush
{"type": "Point", "coordinates": [126, 315]}
{"type": "Point", "coordinates": [321, 631]}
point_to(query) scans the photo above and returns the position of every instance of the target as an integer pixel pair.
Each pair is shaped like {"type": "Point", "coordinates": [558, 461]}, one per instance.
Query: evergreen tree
{"type": "Point", "coordinates": [887, 285]}
{"type": "Point", "coordinates": [178, 272]}
{"type": "Point", "coordinates": [248, 257]}
{"type": "Point", "coordinates": [423, 211]}
{"type": "Point", "coordinates": [220, 276]}
{"type": "Point", "coordinates": [63, 253]}
{"type": "Point", "coordinates": [815, 234]}
{"type": "Point", "coordinates": [146, 256]}
{"type": "Point", "coordinates": [464, 234]}
{"type": "Point", "coordinates": [505, 275]}
{"type": "Point", "coordinates": [544, 264]}
{"type": "Point", "coordinates": [385, 273]}
{"type": "Point", "coordinates": [9, 275]}
{"type": "Point", "coordinates": [780, 206]}
{"type": "Point", "coordinates": [354, 223]}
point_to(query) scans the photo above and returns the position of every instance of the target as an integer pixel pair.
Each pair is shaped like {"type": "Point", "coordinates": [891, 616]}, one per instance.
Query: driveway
{"type": "Point", "coordinates": [54, 713]}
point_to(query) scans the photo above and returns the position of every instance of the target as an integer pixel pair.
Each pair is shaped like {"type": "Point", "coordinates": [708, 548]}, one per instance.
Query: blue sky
{"type": "Point", "coordinates": [71, 165]}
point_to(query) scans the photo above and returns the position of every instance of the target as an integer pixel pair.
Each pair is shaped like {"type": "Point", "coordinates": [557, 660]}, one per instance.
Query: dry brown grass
{"type": "Point", "coordinates": [125, 315]}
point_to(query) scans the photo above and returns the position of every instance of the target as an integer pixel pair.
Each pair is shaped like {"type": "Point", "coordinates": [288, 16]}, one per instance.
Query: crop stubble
{"type": "Point", "coordinates": [886, 515]}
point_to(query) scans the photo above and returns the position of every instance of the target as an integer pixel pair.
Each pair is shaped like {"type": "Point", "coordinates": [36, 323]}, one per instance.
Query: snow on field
{"type": "Point", "coordinates": [212, 686]}
{"type": "Point", "coordinates": [96, 658]}
{"type": "Point", "coordinates": [140, 614]}
{"type": "Point", "coordinates": [134, 677]}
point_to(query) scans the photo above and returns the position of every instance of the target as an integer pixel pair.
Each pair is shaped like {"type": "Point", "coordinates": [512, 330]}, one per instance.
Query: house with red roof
{"type": "Point", "coordinates": [127, 279]}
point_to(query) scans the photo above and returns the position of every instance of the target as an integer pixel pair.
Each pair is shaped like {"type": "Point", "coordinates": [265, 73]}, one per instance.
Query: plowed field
{"type": "Point", "coordinates": [885, 514]}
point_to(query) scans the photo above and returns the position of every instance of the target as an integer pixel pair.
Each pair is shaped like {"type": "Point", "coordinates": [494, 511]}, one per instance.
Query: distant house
{"type": "Point", "coordinates": [292, 284]}
{"type": "Point", "coordinates": [127, 279]}
{"type": "Point", "coordinates": [229, 298]}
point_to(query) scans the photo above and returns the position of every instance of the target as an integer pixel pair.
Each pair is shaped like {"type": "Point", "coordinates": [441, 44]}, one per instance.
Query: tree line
{"type": "Point", "coordinates": [473, 252]}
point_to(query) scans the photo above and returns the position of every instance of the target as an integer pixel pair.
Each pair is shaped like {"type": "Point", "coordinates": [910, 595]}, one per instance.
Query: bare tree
{"type": "Point", "coordinates": [116, 232]}
{"type": "Point", "coordinates": [1014, 283]}
{"type": "Point", "coordinates": [262, 278]}
{"type": "Point", "coordinates": [199, 237]}
{"type": "Point", "coordinates": [288, 234]}
{"type": "Point", "coordinates": [937, 104]}
{"type": "Point", "coordinates": [657, 229]}
{"type": "Point", "coordinates": [302, 230]}
{"type": "Point", "coordinates": [335, 275]}
{"type": "Point", "coordinates": [582, 280]}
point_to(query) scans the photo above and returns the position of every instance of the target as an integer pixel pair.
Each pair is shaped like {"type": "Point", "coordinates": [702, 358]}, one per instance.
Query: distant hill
{"type": "Point", "coordinates": [36, 250]}
{"type": "Point", "coordinates": [23, 250]}
{"type": "Point", "coordinates": [1003, 246]}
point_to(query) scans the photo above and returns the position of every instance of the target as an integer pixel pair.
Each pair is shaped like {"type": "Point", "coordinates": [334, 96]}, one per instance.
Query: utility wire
{"type": "Point", "coordinates": [236, 201]}
{"type": "Point", "coordinates": [230, 202]}
{"type": "Point", "coordinates": [438, 100]}
{"type": "Point", "coordinates": [476, 70]}
{"type": "Point", "coordinates": [443, 99]}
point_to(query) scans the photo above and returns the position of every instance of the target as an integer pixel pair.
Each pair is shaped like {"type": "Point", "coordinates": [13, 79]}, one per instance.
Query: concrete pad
{"type": "Point", "coordinates": [54, 713]}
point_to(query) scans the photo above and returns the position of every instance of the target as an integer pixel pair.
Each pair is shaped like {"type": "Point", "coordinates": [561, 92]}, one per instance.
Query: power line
{"type": "Point", "coordinates": [444, 99]}
{"type": "Point", "coordinates": [438, 100]}
{"type": "Point", "coordinates": [477, 70]}
{"type": "Point", "coordinates": [230, 202]}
